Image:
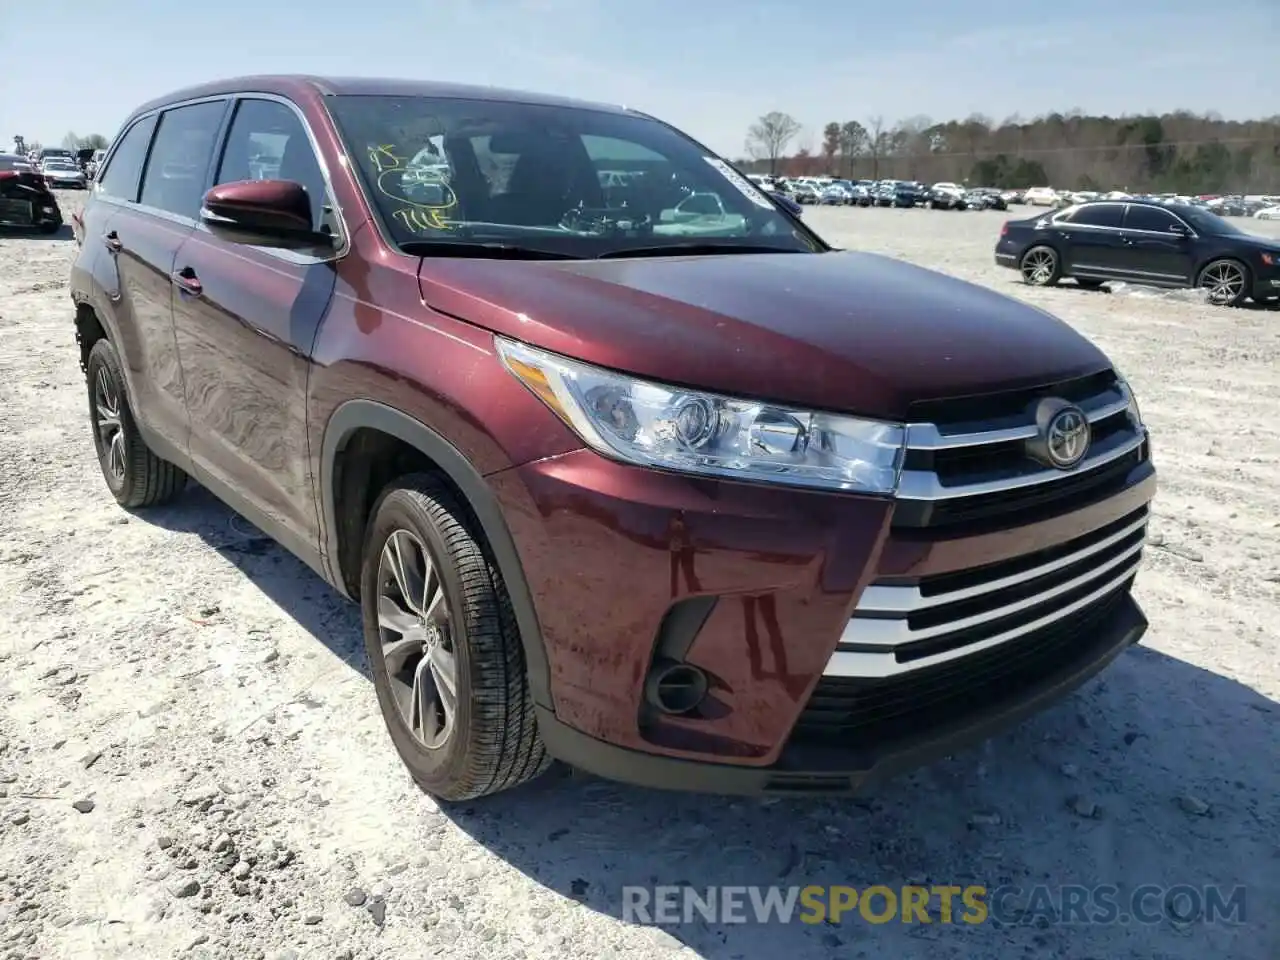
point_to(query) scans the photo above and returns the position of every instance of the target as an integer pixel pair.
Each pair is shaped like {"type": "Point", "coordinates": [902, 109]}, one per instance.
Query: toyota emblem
{"type": "Point", "coordinates": [1063, 434]}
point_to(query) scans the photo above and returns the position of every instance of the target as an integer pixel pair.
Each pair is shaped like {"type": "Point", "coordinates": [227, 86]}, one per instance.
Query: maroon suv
{"type": "Point", "coordinates": [624, 464]}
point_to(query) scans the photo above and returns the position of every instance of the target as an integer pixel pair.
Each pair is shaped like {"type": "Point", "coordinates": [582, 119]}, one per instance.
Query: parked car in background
{"type": "Point", "coordinates": [804, 192]}
{"type": "Point", "coordinates": [1163, 245]}
{"type": "Point", "coordinates": [946, 196]}
{"type": "Point", "coordinates": [1040, 197]}
{"type": "Point", "coordinates": [25, 198]}
{"type": "Point", "coordinates": [906, 193]}
{"type": "Point", "coordinates": [690, 503]}
{"type": "Point", "coordinates": [984, 198]}
{"type": "Point", "coordinates": [63, 172]}
{"type": "Point", "coordinates": [834, 195]}
{"type": "Point", "coordinates": [1268, 213]}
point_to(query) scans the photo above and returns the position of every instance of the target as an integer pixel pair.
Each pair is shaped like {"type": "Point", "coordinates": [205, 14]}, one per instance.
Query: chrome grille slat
{"type": "Point", "coordinates": [897, 632]}
{"type": "Point", "coordinates": [844, 663]}
{"type": "Point", "coordinates": [924, 484]}
{"type": "Point", "coordinates": [882, 598]}
{"type": "Point", "coordinates": [927, 436]}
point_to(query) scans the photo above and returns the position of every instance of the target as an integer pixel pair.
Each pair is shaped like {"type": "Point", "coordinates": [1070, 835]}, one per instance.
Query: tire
{"type": "Point", "coordinates": [490, 741]}
{"type": "Point", "coordinates": [1224, 292]}
{"type": "Point", "coordinates": [1089, 284]}
{"type": "Point", "coordinates": [135, 476]}
{"type": "Point", "coordinates": [1040, 266]}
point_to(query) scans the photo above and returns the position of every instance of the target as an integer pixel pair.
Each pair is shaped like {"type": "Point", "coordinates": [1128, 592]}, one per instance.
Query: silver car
{"type": "Point", "coordinates": [60, 172]}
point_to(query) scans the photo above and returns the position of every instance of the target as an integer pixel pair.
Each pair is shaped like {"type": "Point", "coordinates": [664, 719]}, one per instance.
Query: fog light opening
{"type": "Point", "coordinates": [675, 688]}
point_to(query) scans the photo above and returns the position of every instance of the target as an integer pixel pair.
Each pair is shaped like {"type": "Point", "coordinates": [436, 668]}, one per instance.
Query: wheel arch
{"type": "Point", "coordinates": [344, 534]}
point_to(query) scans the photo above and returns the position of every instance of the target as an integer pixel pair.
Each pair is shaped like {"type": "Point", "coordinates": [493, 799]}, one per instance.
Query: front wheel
{"type": "Point", "coordinates": [1226, 282]}
{"type": "Point", "coordinates": [135, 476]}
{"type": "Point", "coordinates": [1040, 267]}
{"type": "Point", "coordinates": [445, 652]}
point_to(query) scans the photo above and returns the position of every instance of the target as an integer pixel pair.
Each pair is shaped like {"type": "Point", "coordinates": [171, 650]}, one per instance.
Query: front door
{"type": "Point", "coordinates": [1159, 245]}
{"type": "Point", "coordinates": [246, 319]}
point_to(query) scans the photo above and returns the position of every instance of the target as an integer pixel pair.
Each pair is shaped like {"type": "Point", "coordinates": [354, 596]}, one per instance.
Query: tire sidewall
{"type": "Point", "coordinates": [1248, 279]}
{"type": "Point", "coordinates": [1057, 264]}
{"type": "Point", "coordinates": [397, 511]}
{"type": "Point", "coordinates": [103, 356]}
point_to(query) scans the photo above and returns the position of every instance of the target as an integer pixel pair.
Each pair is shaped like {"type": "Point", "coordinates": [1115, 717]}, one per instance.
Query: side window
{"type": "Point", "coordinates": [267, 141]}
{"type": "Point", "coordinates": [1099, 215]}
{"type": "Point", "coordinates": [175, 175]}
{"type": "Point", "coordinates": [120, 178]}
{"type": "Point", "coordinates": [495, 166]}
{"type": "Point", "coordinates": [1149, 218]}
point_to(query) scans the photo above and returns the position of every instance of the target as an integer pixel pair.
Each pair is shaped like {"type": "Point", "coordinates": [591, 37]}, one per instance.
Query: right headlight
{"type": "Point", "coordinates": [653, 425]}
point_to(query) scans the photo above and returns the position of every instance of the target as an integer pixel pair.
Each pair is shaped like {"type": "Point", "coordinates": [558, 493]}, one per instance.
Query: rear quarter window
{"type": "Point", "coordinates": [124, 171]}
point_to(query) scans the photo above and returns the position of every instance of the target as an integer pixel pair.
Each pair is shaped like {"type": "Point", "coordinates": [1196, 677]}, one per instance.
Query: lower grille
{"type": "Point", "coordinates": [856, 711]}
{"type": "Point", "coordinates": [897, 629]}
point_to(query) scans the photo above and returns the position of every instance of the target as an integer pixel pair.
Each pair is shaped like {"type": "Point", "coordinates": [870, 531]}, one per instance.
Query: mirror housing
{"type": "Point", "coordinates": [262, 213]}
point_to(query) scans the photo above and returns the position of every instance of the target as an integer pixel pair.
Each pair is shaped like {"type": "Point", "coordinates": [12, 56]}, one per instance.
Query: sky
{"type": "Point", "coordinates": [711, 67]}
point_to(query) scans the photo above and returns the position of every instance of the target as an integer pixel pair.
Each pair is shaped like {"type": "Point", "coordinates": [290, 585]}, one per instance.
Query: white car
{"type": "Point", "coordinates": [61, 172]}
{"type": "Point", "coordinates": [1040, 197]}
{"type": "Point", "coordinates": [1268, 213]}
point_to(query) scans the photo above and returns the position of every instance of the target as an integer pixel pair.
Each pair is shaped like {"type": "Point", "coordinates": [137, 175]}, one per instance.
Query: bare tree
{"type": "Point", "coordinates": [71, 141]}
{"type": "Point", "coordinates": [853, 142]}
{"type": "Point", "coordinates": [830, 145]}
{"type": "Point", "coordinates": [770, 135]}
{"type": "Point", "coordinates": [875, 143]}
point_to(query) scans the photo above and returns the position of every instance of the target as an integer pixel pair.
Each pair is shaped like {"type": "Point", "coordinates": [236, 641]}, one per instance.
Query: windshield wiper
{"type": "Point", "coordinates": [483, 250]}
{"type": "Point", "coordinates": [698, 249]}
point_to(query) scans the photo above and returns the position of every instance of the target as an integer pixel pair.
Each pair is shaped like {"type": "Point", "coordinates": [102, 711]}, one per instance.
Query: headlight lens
{"type": "Point", "coordinates": [653, 425]}
{"type": "Point", "coordinates": [1134, 411]}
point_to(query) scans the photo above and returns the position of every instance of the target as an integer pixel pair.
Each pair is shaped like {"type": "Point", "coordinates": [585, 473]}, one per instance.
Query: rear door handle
{"type": "Point", "coordinates": [187, 281]}
{"type": "Point", "coordinates": [113, 241]}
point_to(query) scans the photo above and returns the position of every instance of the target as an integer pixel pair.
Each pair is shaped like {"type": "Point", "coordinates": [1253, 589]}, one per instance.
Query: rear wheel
{"type": "Point", "coordinates": [1226, 282]}
{"type": "Point", "coordinates": [1040, 266]}
{"type": "Point", "coordinates": [445, 652]}
{"type": "Point", "coordinates": [135, 475]}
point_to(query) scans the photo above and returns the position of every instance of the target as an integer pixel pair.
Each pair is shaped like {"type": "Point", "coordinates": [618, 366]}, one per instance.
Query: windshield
{"type": "Point", "coordinates": [576, 181]}
{"type": "Point", "coordinates": [1205, 221]}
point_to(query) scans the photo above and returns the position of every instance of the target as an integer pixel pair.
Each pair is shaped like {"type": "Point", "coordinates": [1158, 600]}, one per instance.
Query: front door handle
{"type": "Point", "coordinates": [188, 282]}
{"type": "Point", "coordinates": [113, 241]}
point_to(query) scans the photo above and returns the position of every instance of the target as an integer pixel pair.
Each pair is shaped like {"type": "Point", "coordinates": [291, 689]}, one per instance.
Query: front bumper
{"type": "Point", "coordinates": [816, 616]}
{"type": "Point", "coordinates": [811, 770]}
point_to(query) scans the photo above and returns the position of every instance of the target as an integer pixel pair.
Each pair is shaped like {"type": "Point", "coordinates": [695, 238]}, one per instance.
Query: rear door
{"type": "Point", "coordinates": [246, 323]}
{"type": "Point", "coordinates": [143, 235]}
{"type": "Point", "coordinates": [1092, 245]}
{"type": "Point", "coordinates": [1159, 244]}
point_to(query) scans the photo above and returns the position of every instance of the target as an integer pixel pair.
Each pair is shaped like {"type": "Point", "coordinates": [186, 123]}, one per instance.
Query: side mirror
{"type": "Point", "coordinates": [262, 213]}
{"type": "Point", "coordinates": [1178, 230]}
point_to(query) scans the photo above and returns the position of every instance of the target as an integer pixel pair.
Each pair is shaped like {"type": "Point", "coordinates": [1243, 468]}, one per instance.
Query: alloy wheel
{"type": "Point", "coordinates": [1038, 266]}
{"type": "Point", "coordinates": [1224, 282]}
{"type": "Point", "coordinates": [417, 643]}
{"type": "Point", "coordinates": [106, 410]}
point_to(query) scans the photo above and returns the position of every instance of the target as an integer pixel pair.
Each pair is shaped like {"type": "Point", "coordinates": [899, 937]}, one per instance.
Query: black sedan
{"type": "Point", "coordinates": [1163, 245]}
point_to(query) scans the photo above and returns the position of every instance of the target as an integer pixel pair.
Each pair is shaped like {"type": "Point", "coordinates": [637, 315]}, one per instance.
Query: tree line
{"type": "Point", "coordinates": [72, 141]}
{"type": "Point", "coordinates": [1180, 152]}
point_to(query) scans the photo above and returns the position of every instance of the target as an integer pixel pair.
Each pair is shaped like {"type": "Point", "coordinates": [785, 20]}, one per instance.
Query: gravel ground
{"type": "Point", "coordinates": [192, 763]}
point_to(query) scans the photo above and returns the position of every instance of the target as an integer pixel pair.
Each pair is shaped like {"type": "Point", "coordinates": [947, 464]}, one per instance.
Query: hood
{"type": "Point", "coordinates": [853, 332]}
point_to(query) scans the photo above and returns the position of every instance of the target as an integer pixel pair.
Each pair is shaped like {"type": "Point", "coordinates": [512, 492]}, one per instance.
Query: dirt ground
{"type": "Point", "coordinates": [206, 695]}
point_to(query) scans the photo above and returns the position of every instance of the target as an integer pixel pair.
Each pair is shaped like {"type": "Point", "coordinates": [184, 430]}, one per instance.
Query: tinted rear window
{"type": "Point", "coordinates": [120, 179]}
{"type": "Point", "coordinates": [1099, 215]}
